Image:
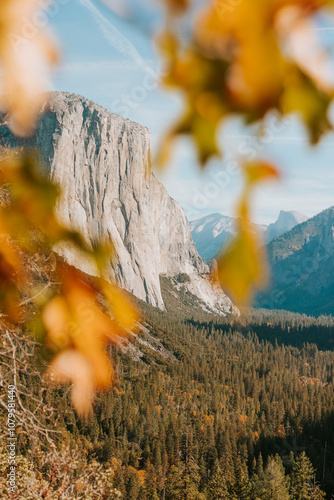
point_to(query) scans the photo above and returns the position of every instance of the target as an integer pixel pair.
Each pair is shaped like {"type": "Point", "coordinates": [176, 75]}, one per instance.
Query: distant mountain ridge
{"type": "Point", "coordinates": [212, 232]}
{"type": "Point", "coordinates": [302, 262]}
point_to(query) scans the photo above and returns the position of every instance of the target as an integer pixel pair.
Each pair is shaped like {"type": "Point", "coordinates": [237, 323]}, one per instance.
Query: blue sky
{"type": "Point", "coordinates": [113, 62]}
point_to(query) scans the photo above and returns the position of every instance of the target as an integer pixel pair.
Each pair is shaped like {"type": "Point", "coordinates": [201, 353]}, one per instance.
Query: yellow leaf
{"type": "Point", "coordinates": [259, 171]}
{"type": "Point", "coordinates": [302, 46]}
{"type": "Point", "coordinates": [242, 268]}
{"type": "Point", "coordinates": [303, 97]}
{"type": "Point", "coordinates": [94, 328]}
{"type": "Point", "coordinates": [204, 134]}
{"type": "Point", "coordinates": [57, 320]}
{"type": "Point", "coordinates": [122, 309]}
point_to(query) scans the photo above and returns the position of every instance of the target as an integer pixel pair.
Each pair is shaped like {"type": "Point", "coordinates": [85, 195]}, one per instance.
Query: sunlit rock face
{"type": "Point", "coordinates": [103, 164]}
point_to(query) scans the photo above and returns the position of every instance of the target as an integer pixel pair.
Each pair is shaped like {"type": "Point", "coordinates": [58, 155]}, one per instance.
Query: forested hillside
{"type": "Point", "coordinates": [301, 262]}
{"type": "Point", "coordinates": [232, 415]}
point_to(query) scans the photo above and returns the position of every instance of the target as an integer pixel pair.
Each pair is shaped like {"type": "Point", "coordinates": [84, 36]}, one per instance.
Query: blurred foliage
{"type": "Point", "coordinates": [81, 316]}
{"type": "Point", "coordinates": [77, 321]}
{"type": "Point", "coordinates": [27, 53]}
{"type": "Point", "coordinates": [242, 267]}
{"type": "Point", "coordinates": [245, 58]}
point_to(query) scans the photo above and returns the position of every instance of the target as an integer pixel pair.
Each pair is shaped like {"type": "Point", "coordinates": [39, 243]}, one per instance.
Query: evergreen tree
{"type": "Point", "coordinates": [150, 483]}
{"type": "Point", "coordinates": [183, 481]}
{"type": "Point", "coordinates": [175, 485]}
{"type": "Point", "coordinates": [259, 465]}
{"type": "Point", "coordinates": [271, 484]}
{"type": "Point", "coordinates": [227, 463]}
{"type": "Point", "coordinates": [217, 487]}
{"type": "Point", "coordinates": [132, 485]}
{"type": "Point", "coordinates": [303, 485]}
{"type": "Point", "coordinates": [242, 486]}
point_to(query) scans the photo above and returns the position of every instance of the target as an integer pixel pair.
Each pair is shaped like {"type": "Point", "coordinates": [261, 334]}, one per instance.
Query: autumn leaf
{"type": "Point", "coordinates": [73, 366]}
{"type": "Point", "coordinates": [26, 55]}
{"type": "Point", "coordinates": [302, 47]}
{"type": "Point", "coordinates": [75, 319]}
{"type": "Point", "coordinates": [177, 7]}
{"type": "Point", "coordinates": [77, 327]}
{"type": "Point", "coordinates": [204, 108]}
{"type": "Point", "coordinates": [242, 268]}
{"type": "Point", "coordinates": [242, 59]}
{"type": "Point", "coordinates": [311, 105]}
{"type": "Point", "coordinates": [122, 310]}
{"type": "Point", "coordinates": [257, 172]}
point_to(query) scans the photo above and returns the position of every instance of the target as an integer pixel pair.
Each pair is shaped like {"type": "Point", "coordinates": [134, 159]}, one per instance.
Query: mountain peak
{"type": "Point", "coordinates": [212, 232]}
{"type": "Point", "coordinates": [286, 221]}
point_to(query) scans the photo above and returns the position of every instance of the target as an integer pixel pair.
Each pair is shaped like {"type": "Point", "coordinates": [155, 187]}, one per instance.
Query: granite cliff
{"type": "Point", "coordinates": [102, 162]}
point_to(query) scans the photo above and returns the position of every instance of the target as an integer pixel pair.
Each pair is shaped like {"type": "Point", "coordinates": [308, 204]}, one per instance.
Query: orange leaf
{"type": "Point", "coordinates": [259, 171]}
{"type": "Point", "coordinates": [72, 366]}
{"type": "Point", "coordinates": [177, 7]}
{"type": "Point", "coordinates": [76, 321]}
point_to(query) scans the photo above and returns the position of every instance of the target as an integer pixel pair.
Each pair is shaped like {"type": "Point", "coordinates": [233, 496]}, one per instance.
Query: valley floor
{"type": "Point", "coordinates": [238, 409]}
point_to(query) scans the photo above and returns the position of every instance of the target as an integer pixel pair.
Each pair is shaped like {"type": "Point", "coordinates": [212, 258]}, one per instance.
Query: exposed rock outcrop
{"type": "Point", "coordinates": [103, 164]}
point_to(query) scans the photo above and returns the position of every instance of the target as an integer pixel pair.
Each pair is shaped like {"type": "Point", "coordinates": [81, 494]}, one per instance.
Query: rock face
{"type": "Point", "coordinates": [103, 164]}
{"type": "Point", "coordinates": [285, 222]}
{"type": "Point", "coordinates": [302, 262]}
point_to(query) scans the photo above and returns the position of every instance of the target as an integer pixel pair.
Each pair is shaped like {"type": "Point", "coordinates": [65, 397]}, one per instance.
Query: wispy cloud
{"type": "Point", "coordinates": [115, 38]}
{"type": "Point", "coordinates": [103, 65]}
